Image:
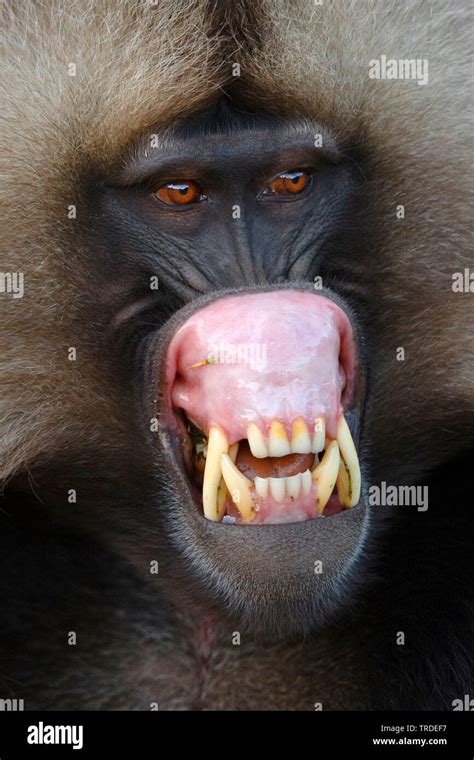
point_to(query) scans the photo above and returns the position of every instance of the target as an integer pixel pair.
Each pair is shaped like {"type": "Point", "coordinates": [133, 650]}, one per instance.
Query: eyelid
{"type": "Point", "coordinates": [266, 194]}
{"type": "Point", "coordinates": [167, 193]}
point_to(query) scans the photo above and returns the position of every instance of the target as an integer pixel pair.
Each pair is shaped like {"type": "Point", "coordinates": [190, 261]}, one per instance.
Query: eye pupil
{"type": "Point", "coordinates": [179, 193]}
{"type": "Point", "coordinates": [289, 183]}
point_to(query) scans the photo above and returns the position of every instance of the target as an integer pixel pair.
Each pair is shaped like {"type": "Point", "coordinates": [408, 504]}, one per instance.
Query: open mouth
{"type": "Point", "coordinates": [256, 390]}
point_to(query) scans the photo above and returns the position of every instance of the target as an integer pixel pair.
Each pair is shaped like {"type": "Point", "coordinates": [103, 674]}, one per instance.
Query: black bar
{"type": "Point", "coordinates": [329, 735]}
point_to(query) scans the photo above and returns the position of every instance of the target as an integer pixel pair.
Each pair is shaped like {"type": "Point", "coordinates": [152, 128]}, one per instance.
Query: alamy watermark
{"type": "Point", "coordinates": [252, 354]}
{"type": "Point", "coordinates": [463, 282]}
{"type": "Point", "coordinates": [467, 704]}
{"type": "Point", "coordinates": [12, 283]}
{"type": "Point", "coordinates": [398, 496]}
{"type": "Point", "coordinates": [401, 68]}
{"type": "Point", "coordinates": [12, 705]}
{"type": "Point", "coordinates": [42, 733]}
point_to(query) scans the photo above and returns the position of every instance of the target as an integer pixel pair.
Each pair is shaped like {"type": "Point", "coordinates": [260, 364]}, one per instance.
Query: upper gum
{"type": "Point", "coordinates": [279, 426]}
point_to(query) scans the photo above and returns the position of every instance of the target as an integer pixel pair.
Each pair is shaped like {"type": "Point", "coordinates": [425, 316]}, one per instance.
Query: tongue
{"type": "Point", "coordinates": [260, 357]}
{"type": "Point", "coordinates": [271, 467]}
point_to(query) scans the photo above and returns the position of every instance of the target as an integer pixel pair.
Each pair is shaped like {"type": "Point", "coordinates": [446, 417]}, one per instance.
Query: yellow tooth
{"type": "Point", "coordinates": [222, 492]}
{"type": "Point", "coordinates": [257, 444]}
{"type": "Point", "coordinates": [239, 488]}
{"type": "Point", "coordinates": [278, 443]}
{"type": "Point", "coordinates": [319, 435]}
{"type": "Point", "coordinates": [300, 440]}
{"type": "Point", "coordinates": [350, 489]}
{"type": "Point", "coordinates": [325, 475]}
{"type": "Point", "coordinates": [344, 485]}
{"type": "Point", "coordinates": [216, 446]}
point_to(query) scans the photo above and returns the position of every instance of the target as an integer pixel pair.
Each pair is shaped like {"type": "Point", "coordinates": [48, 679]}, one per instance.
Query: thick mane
{"type": "Point", "coordinates": [85, 86]}
{"type": "Point", "coordinates": [306, 60]}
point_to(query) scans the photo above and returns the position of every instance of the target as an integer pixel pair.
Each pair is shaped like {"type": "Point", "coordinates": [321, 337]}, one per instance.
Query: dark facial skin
{"type": "Point", "coordinates": [200, 252]}
{"type": "Point", "coordinates": [215, 579]}
{"type": "Point", "coordinates": [103, 104]}
{"type": "Point", "coordinates": [202, 248]}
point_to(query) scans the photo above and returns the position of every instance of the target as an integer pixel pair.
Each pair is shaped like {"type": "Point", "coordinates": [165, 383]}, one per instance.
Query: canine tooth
{"type": "Point", "coordinates": [319, 435]}
{"type": "Point", "coordinates": [351, 461]}
{"type": "Point", "coordinates": [261, 487]}
{"type": "Point", "coordinates": [293, 485]}
{"type": "Point", "coordinates": [239, 488]}
{"type": "Point", "coordinates": [325, 475]}
{"type": "Point", "coordinates": [277, 488]}
{"type": "Point", "coordinates": [257, 444]}
{"type": "Point", "coordinates": [223, 493]}
{"type": "Point", "coordinates": [217, 446]}
{"type": "Point", "coordinates": [300, 440]}
{"type": "Point", "coordinates": [343, 484]}
{"type": "Point", "coordinates": [306, 482]}
{"type": "Point", "coordinates": [278, 443]}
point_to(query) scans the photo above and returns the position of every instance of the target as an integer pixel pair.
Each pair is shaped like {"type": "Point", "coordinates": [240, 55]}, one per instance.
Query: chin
{"type": "Point", "coordinates": [259, 438]}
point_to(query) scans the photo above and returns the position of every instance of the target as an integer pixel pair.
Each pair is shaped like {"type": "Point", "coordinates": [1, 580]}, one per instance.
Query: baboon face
{"type": "Point", "coordinates": [254, 388]}
{"type": "Point", "coordinates": [255, 274]}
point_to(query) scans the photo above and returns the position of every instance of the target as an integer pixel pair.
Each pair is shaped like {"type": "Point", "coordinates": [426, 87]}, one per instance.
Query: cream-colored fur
{"type": "Point", "coordinates": [141, 66]}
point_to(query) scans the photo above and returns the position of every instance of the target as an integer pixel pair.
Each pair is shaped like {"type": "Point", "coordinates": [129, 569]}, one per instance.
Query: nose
{"type": "Point", "coordinates": [260, 357]}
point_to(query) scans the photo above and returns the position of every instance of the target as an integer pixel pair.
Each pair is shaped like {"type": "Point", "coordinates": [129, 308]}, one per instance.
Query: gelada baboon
{"type": "Point", "coordinates": [236, 375]}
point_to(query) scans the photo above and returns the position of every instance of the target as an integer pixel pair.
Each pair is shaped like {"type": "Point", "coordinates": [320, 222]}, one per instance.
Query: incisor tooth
{"type": "Point", "coordinates": [261, 487]}
{"type": "Point", "coordinates": [277, 488]}
{"type": "Point", "coordinates": [319, 435]}
{"type": "Point", "coordinates": [325, 475]}
{"type": "Point", "coordinates": [257, 444]}
{"type": "Point", "coordinates": [293, 485]}
{"type": "Point", "coordinates": [222, 492]}
{"type": "Point", "coordinates": [350, 490]}
{"type": "Point", "coordinates": [278, 443]}
{"type": "Point", "coordinates": [217, 446]}
{"type": "Point", "coordinates": [306, 482]}
{"type": "Point", "coordinates": [239, 488]}
{"type": "Point", "coordinates": [300, 440]}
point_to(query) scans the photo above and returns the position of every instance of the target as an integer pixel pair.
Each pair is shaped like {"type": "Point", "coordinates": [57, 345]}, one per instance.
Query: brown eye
{"type": "Point", "coordinates": [288, 183]}
{"type": "Point", "coordinates": [179, 193]}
